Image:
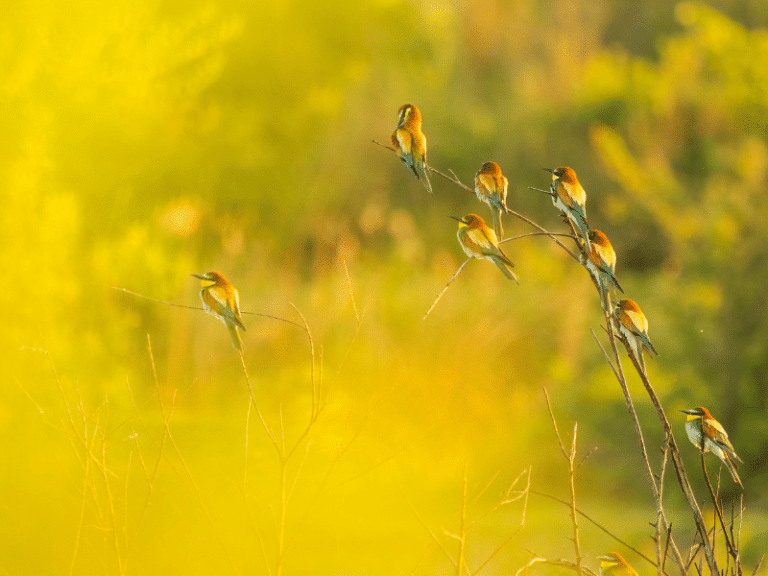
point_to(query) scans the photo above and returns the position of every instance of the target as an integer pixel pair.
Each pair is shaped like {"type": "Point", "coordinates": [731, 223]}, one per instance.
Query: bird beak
{"type": "Point", "coordinates": [550, 170]}
{"type": "Point", "coordinates": [690, 411]}
{"type": "Point", "coordinates": [457, 219]}
{"type": "Point", "coordinates": [201, 276]}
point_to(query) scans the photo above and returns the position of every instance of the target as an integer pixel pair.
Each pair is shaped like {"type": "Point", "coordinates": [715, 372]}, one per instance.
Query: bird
{"type": "Point", "coordinates": [569, 197]}
{"type": "Point", "coordinates": [600, 260]}
{"type": "Point", "coordinates": [633, 329]}
{"type": "Point", "coordinates": [491, 187]}
{"type": "Point", "coordinates": [479, 241]}
{"type": "Point", "coordinates": [715, 438]}
{"type": "Point", "coordinates": [613, 564]}
{"type": "Point", "coordinates": [411, 144]}
{"type": "Point", "coordinates": [222, 300]}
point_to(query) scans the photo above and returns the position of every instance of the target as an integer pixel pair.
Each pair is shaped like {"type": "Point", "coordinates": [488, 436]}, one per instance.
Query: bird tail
{"type": "Point", "coordinates": [612, 278]}
{"type": "Point", "coordinates": [731, 465]}
{"type": "Point", "coordinates": [604, 297]}
{"type": "Point", "coordinates": [505, 269]}
{"type": "Point", "coordinates": [235, 335]}
{"type": "Point", "coordinates": [647, 345]}
{"type": "Point", "coordinates": [497, 227]}
{"type": "Point", "coordinates": [424, 169]}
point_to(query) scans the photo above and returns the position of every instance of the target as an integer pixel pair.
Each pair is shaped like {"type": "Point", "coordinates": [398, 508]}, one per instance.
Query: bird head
{"type": "Point", "coordinates": [698, 412]}
{"type": "Point", "coordinates": [627, 305]}
{"type": "Point", "coordinates": [563, 173]}
{"type": "Point", "coordinates": [489, 168]}
{"type": "Point", "coordinates": [613, 562]}
{"type": "Point", "coordinates": [470, 221]}
{"type": "Point", "coordinates": [406, 113]}
{"type": "Point", "coordinates": [210, 278]}
{"type": "Point", "coordinates": [597, 237]}
{"type": "Point", "coordinates": [462, 221]}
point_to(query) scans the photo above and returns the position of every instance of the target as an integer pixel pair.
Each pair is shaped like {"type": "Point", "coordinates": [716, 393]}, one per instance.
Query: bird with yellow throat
{"type": "Point", "coordinates": [222, 300]}
{"type": "Point", "coordinates": [479, 241]}
{"type": "Point", "coordinates": [600, 260]}
{"type": "Point", "coordinates": [411, 144]}
{"type": "Point", "coordinates": [569, 197]}
{"type": "Point", "coordinates": [491, 187]}
{"type": "Point", "coordinates": [613, 564]}
{"type": "Point", "coordinates": [708, 435]}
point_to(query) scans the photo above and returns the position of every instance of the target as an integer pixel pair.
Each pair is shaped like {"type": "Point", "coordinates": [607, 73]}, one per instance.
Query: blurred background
{"type": "Point", "coordinates": [144, 141]}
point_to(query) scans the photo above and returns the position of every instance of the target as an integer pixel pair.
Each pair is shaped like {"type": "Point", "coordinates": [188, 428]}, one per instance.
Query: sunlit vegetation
{"type": "Point", "coordinates": [143, 142]}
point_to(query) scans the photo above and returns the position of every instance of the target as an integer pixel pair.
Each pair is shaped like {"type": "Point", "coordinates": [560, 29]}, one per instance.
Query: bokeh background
{"type": "Point", "coordinates": [143, 141]}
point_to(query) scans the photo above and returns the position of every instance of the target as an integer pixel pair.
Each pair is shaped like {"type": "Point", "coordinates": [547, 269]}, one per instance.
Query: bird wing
{"type": "Point", "coordinates": [488, 244]}
{"type": "Point", "coordinates": [717, 433]}
{"type": "Point", "coordinates": [235, 305]}
{"type": "Point", "coordinates": [216, 298]}
{"type": "Point", "coordinates": [637, 322]}
{"type": "Point", "coordinates": [486, 185]}
{"type": "Point", "coordinates": [572, 205]}
{"type": "Point", "coordinates": [402, 140]}
{"type": "Point", "coordinates": [638, 325]}
{"type": "Point", "coordinates": [503, 187]}
{"type": "Point", "coordinates": [597, 256]}
{"type": "Point", "coordinates": [482, 240]}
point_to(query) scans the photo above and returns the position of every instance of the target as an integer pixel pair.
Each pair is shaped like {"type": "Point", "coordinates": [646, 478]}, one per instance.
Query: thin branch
{"type": "Point", "coordinates": [570, 457]}
{"type": "Point", "coordinates": [427, 528]}
{"type": "Point", "coordinates": [446, 288]}
{"type": "Point", "coordinates": [550, 234]}
{"type": "Point", "coordinates": [618, 371]}
{"type": "Point", "coordinates": [165, 302]}
{"type": "Point", "coordinates": [729, 545]}
{"type": "Point", "coordinates": [596, 524]}
{"type": "Point", "coordinates": [351, 293]}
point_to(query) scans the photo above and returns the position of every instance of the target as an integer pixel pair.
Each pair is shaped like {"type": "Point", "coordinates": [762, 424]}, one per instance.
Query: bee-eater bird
{"type": "Point", "coordinates": [491, 187]}
{"type": "Point", "coordinates": [633, 329]}
{"type": "Point", "coordinates": [222, 300]}
{"type": "Point", "coordinates": [411, 144]}
{"type": "Point", "coordinates": [479, 241]}
{"type": "Point", "coordinates": [708, 435]}
{"type": "Point", "coordinates": [569, 197]}
{"type": "Point", "coordinates": [601, 262]}
{"type": "Point", "coordinates": [613, 564]}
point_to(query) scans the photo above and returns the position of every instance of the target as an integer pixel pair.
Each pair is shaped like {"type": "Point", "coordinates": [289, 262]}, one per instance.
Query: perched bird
{"type": "Point", "coordinates": [221, 299]}
{"type": "Point", "coordinates": [633, 329]}
{"type": "Point", "coordinates": [715, 438]}
{"type": "Point", "coordinates": [569, 197]}
{"type": "Point", "coordinates": [613, 564]}
{"type": "Point", "coordinates": [479, 241]}
{"type": "Point", "coordinates": [491, 187]}
{"type": "Point", "coordinates": [411, 144]}
{"type": "Point", "coordinates": [601, 262]}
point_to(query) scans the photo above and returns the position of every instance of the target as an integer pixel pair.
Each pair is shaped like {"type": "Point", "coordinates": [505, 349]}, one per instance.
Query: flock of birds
{"type": "Point", "coordinates": [597, 254]}
{"type": "Point", "coordinates": [221, 299]}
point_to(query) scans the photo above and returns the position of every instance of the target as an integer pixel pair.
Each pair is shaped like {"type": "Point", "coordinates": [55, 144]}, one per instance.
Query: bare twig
{"type": "Point", "coordinates": [728, 544]}
{"type": "Point", "coordinates": [570, 456]}
{"type": "Point", "coordinates": [166, 303]}
{"type": "Point", "coordinates": [446, 288]}
{"type": "Point", "coordinates": [618, 371]}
